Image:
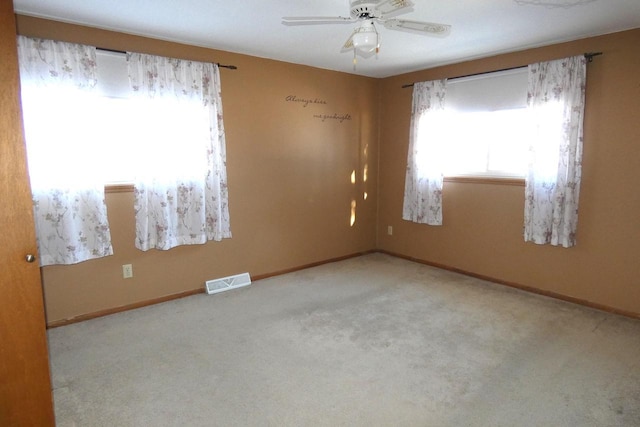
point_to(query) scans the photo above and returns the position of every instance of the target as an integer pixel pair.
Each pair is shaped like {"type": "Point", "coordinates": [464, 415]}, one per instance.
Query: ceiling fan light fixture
{"type": "Point", "coordinates": [365, 42]}
{"type": "Point", "coordinates": [365, 38]}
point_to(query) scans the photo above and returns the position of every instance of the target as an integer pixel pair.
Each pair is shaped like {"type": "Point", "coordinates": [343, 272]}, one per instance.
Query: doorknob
{"type": "Point", "coordinates": [30, 258]}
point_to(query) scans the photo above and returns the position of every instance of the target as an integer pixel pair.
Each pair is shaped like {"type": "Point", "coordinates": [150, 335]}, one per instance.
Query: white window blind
{"type": "Point", "coordinates": [502, 90]}
{"type": "Point", "coordinates": [113, 80]}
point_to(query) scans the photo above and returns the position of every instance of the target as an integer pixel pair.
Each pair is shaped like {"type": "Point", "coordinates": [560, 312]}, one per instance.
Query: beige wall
{"type": "Point", "coordinates": [482, 230]}
{"type": "Point", "coordinates": [290, 189]}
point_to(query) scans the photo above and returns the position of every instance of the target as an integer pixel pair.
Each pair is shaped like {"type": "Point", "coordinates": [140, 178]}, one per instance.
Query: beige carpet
{"type": "Point", "coordinates": [370, 341]}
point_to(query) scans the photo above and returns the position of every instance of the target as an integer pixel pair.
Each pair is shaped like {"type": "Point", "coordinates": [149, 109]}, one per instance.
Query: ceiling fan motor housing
{"type": "Point", "coordinates": [364, 9]}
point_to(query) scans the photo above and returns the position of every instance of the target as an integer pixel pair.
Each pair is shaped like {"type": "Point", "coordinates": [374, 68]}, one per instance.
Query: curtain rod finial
{"type": "Point", "coordinates": [590, 55]}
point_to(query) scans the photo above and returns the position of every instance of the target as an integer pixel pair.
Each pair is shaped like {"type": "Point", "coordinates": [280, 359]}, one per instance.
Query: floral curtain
{"type": "Point", "coordinates": [57, 80]}
{"type": "Point", "coordinates": [181, 194]}
{"type": "Point", "coordinates": [424, 177]}
{"type": "Point", "coordinates": [556, 97]}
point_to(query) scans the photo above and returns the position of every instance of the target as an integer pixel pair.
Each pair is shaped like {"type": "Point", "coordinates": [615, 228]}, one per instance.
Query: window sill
{"type": "Point", "coordinates": [118, 188]}
{"type": "Point", "coordinates": [485, 180]}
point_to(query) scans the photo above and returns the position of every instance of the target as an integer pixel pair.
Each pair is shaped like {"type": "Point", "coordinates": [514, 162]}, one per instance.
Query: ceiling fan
{"type": "Point", "coordinates": [365, 38]}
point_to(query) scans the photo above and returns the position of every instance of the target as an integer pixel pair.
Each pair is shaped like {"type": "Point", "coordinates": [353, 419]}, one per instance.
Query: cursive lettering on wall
{"type": "Point", "coordinates": [305, 101]}
{"type": "Point", "coordinates": [335, 116]}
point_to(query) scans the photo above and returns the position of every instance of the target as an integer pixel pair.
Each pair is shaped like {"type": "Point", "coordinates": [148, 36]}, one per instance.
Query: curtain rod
{"type": "Point", "coordinates": [588, 55]}
{"type": "Point", "coordinates": [231, 67]}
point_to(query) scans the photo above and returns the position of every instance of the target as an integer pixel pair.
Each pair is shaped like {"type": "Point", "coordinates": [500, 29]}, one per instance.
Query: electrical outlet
{"type": "Point", "coordinates": [127, 271]}
{"type": "Point", "coordinates": [390, 230]}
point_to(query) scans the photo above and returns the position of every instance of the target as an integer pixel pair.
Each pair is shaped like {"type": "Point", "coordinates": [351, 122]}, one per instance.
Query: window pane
{"type": "Point", "coordinates": [507, 151]}
{"type": "Point", "coordinates": [487, 143]}
{"type": "Point", "coordinates": [466, 144]}
{"type": "Point", "coordinates": [113, 140]}
{"type": "Point", "coordinates": [60, 129]}
{"type": "Point", "coordinates": [152, 137]}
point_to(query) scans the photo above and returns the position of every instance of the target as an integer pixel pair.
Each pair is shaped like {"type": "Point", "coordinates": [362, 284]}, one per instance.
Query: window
{"type": "Point", "coordinates": [485, 116]}
{"type": "Point", "coordinates": [100, 145]}
{"type": "Point", "coordinates": [123, 129]}
{"type": "Point", "coordinates": [485, 131]}
{"type": "Point", "coordinates": [86, 125]}
{"type": "Point", "coordinates": [134, 129]}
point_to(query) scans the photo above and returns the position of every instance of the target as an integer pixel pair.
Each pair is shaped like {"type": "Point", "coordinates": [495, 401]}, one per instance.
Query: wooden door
{"type": "Point", "coordinates": [25, 384]}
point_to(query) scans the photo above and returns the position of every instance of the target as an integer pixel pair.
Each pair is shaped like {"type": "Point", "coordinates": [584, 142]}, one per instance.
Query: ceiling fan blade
{"type": "Point", "coordinates": [417, 26]}
{"type": "Point", "coordinates": [302, 20]}
{"type": "Point", "coordinates": [348, 45]}
{"type": "Point", "coordinates": [389, 6]}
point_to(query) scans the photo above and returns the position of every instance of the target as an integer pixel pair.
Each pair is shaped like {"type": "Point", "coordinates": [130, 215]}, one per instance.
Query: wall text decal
{"type": "Point", "coordinates": [305, 101]}
{"type": "Point", "coordinates": [335, 116]}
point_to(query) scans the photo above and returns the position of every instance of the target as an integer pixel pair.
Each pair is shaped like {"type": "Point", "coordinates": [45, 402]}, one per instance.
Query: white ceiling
{"type": "Point", "coordinates": [479, 27]}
